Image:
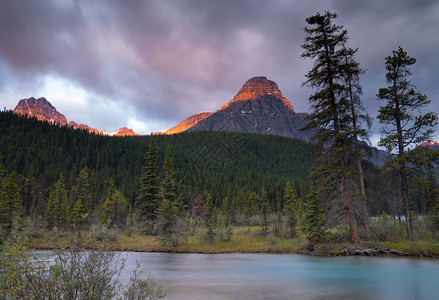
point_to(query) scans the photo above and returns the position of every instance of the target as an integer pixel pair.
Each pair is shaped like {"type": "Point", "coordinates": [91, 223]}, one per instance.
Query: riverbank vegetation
{"type": "Point", "coordinates": [74, 273]}
{"type": "Point", "coordinates": [387, 233]}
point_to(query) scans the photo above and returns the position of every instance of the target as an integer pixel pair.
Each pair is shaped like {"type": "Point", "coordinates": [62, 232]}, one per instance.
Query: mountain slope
{"type": "Point", "coordinates": [189, 122]}
{"type": "Point", "coordinates": [266, 115]}
{"type": "Point", "coordinates": [258, 107]}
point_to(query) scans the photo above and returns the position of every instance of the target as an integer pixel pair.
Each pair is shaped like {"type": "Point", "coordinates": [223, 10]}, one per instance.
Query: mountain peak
{"type": "Point", "coordinates": [257, 87]}
{"type": "Point", "coordinates": [124, 131]}
{"type": "Point", "coordinates": [41, 109]}
{"type": "Point", "coordinates": [430, 143]}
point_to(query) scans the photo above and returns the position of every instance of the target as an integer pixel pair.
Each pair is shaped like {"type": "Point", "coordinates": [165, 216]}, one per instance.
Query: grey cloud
{"type": "Point", "coordinates": [170, 59]}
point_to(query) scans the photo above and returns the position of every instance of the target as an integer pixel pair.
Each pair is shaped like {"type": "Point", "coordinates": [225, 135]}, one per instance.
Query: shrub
{"type": "Point", "coordinates": [385, 230]}
{"type": "Point", "coordinates": [102, 233]}
{"type": "Point", "coordinates": [74, 274]}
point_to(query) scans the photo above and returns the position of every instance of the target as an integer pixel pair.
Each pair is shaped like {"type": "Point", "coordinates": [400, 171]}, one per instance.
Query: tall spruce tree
{"type": "Point", "coordinates": [359, 116]}
{"type": "Point", "coordinates": [10, 201]}
{"type": "Point", "coordinates": [330, 116]}
{"type": "Point", "coordinates": [402, 125]}
{"type": "Point", "coordinates": [168, 209]}
{"type": "Point", "coordinates": [313, 222]}
{"type": "Point", "coordinates": [210, 224]}
{"type": "Point", "coordinates": [57, 207]}
{"type": "Point", "coordinates": [264, 210]}
{"type": "Point", "coordinates": [149, 191]}
{"type": "Point", "coordinates": [227, 206]}
{"type": "Point", "coordinates": [114, 208]}
{"type": "Point", "coordinates": [80, 199]}
{"type": "Point", "coordinates": [291, 208]}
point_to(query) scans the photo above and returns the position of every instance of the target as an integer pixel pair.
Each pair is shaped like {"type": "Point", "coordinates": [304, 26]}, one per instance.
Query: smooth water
{"type": "Point", "coordinates": [267, 276]}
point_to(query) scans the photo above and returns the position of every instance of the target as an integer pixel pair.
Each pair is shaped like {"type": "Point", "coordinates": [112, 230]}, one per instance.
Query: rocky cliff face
{"type": "Point", "coordinates": [41, 109]}
{"type": "Point", "coordinates": [189, 122]}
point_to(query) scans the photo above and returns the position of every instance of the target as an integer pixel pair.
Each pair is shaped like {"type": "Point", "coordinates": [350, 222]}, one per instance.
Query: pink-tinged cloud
{"type": "Point", "coordinates": [157, 62]}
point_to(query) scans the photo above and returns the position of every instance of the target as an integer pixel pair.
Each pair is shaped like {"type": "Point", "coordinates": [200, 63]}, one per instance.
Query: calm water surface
{"type": "Point", "coordinates": [266, 276]}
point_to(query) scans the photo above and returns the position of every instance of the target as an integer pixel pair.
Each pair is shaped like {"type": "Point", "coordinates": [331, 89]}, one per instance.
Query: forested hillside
{"type": "Point", "coordinates": [39, 152]}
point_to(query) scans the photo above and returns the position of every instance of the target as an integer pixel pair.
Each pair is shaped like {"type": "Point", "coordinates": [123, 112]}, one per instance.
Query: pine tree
{"type": "Point", "coordinates": [402, 126]}
{"type": "Point", "coordinates": [291, 208]}
{"type": "Point", "coordinates": [278, 225]}
{"type": "Point", "coordinates": [251, 206]}
{"type": "Point", "coordinates": [227, 207]}
{"type": "Point", "coordinates": [352, 72]}
{"type": "Point", "coordinates": [2, 169]}
{"type": "Point", "coordinates": [227, 214]}
{"type": "Point", "coordinates": [80, 200]}
{"type": "Point", "coordinates": [168, 210]}
{"type": "Point", "coordinates": [114, 208]}
{"type": "Point", "coordinates": [210, 234]}
{"type": "Point", "coordinates": [57, 207]}
{"type": "Point", "coordinates": [264, 209]}
{"type": "Point", "coordinates": [78, 216]}
{"type": "Point", "coordinates": [169, 184]}
{"type": "Point", "coordinates": [313, 223]}
{"type": "Point", "coordinates": [330, 116]}
{"type": "Point", "coordinates": [3, 207]}
{"type": "Point", "coordinates": [149, 191]}
{"type": "Point", "coordinates": [83, 187]}
{"type": "Point", "coordinates": [10, 201]}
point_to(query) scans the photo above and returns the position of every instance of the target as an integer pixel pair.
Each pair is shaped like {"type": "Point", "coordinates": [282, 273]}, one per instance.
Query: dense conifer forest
{"type": "Point", "coordinates": [216, 161]}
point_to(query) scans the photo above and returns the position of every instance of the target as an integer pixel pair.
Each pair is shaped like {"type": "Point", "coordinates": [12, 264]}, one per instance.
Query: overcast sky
{"type": "Point", "coordinates": [150, 64]}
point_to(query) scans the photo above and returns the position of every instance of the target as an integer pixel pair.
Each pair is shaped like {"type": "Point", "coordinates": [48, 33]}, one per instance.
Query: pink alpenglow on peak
{"type": "Point", "coordinates": [40, 108]}
{"type": "Point", "coordinates": [430, 143]}
{"type": "Point", "coordinates": [258, 87]}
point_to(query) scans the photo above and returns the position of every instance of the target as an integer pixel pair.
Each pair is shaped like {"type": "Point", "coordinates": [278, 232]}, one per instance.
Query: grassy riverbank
{"type": "Point", "coordinates": [243, 240]}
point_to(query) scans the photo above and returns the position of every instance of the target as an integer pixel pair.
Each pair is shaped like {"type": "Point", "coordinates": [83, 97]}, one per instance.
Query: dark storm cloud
{"type": "Point", "coordinates": [165, 60]}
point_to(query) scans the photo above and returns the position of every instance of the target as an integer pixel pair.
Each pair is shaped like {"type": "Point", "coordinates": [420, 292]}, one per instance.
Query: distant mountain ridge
{"type": "Point", "coordinates": [189, 122]}
{"type": "Point", "coordinates": [258, 107]}
{"type": "Point", "coordinates": [43, 110]}
{"type": "Point", "coordinates": [432, 144]}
